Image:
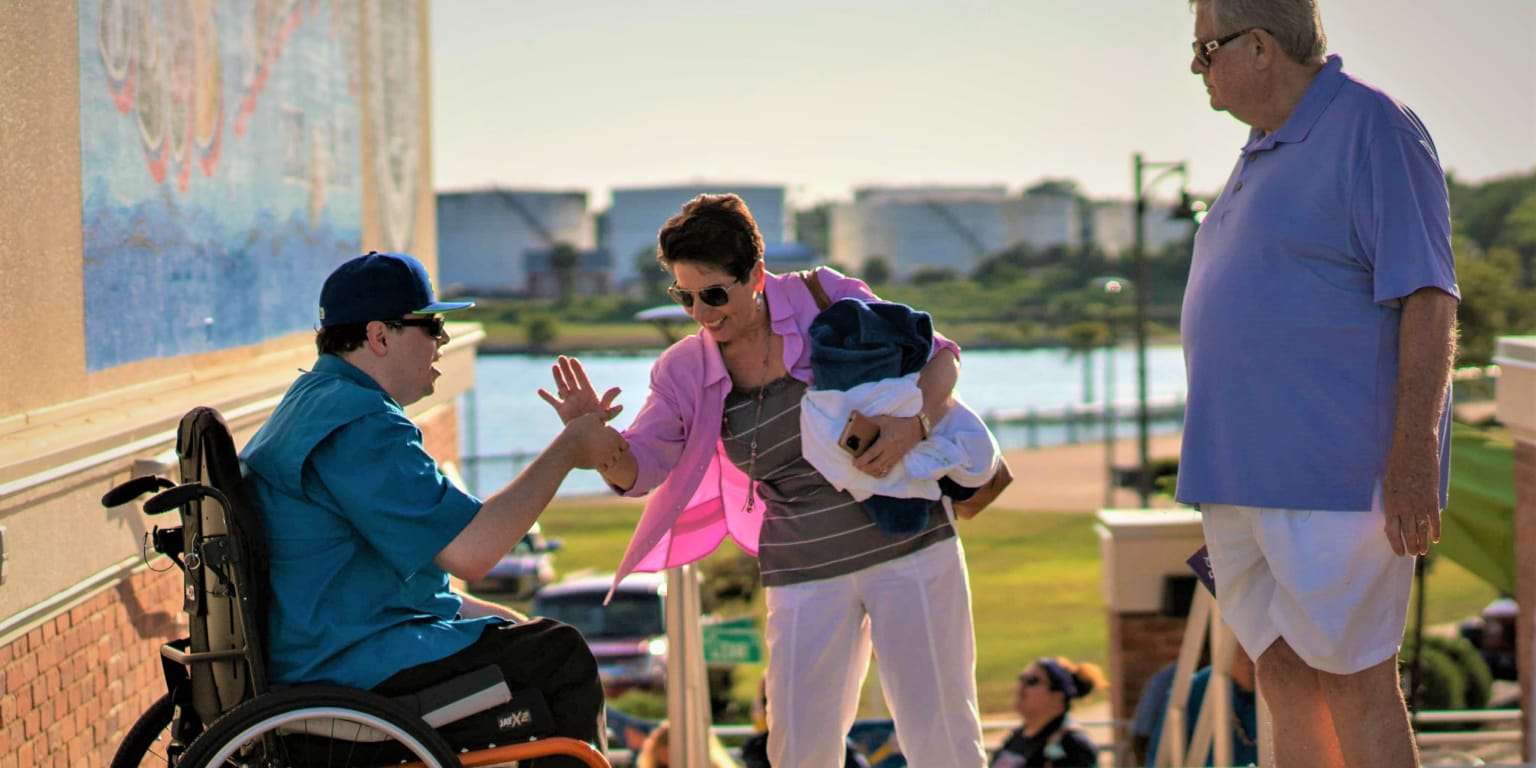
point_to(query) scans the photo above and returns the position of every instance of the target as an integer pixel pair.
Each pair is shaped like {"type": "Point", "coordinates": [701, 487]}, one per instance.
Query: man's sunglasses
{"type": "Point", "coordinates": [1204, 48]}
{"type": "Point", "coordinates": [432, 325]}
{"type": "Point", "coordinates": [713, 296]}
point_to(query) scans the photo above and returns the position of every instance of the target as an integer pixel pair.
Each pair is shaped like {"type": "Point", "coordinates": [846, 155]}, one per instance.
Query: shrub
{"type": "Point", "coordinates": [648, 705]}
{"type": "Point", "coordinates": [1473, 667]}
{"type": "Point", "coordinates": [731, 578]}
{"type": "Point", "coordinates": [542, 331]}
{"type": "Point", "coordinates": [1441, 684]}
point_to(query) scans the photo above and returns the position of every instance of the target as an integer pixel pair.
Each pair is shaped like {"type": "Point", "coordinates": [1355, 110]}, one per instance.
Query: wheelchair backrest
{"type": "Point", "coordinates": [225, 585]}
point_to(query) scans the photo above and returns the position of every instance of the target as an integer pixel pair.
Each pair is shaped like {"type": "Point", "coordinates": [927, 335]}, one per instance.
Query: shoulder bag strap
{"type": "Point", "coordinates": [817, 292]}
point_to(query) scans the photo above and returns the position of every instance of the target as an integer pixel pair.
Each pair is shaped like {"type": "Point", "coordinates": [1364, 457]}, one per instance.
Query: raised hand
{"type": "Point", "coordinates": [575, 395]}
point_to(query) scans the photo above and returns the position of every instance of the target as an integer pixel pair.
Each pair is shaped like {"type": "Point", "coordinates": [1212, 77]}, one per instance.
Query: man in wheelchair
{"type": "Point", "coordinates": [363, 529]}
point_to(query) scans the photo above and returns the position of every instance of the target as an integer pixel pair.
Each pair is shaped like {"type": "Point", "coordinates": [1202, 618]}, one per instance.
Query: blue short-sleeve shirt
{"type": "Point", "coordinates": [1290, 320]}
{"type": "Point", "coordinates": [355, 510]}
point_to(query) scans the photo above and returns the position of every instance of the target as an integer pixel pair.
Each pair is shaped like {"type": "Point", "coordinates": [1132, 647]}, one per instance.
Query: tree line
{"type": "Point", "coordinates": [1024, 296]}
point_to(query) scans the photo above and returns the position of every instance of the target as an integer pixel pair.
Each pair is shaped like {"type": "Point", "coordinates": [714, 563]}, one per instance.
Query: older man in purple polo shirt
{"type": "Point", "coordinates": [1318, 334]}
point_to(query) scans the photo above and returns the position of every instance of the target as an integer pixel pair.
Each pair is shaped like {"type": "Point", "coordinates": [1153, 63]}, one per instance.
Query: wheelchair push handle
{"type": "Point", "coordinates": [134, 488]}
{"type": "Point", "coordinates": [182, 495]}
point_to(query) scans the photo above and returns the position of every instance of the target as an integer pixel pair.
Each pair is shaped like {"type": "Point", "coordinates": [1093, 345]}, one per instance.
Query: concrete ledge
{"type": "Point", "coordinates": [1516, 357]}
{"type": "Point", "coordinates": [57, 464]}
{"type": "Point", "coordinates": [1138, 547]}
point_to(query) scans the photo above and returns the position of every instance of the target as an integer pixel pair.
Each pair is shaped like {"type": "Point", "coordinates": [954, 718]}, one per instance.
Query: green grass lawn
{"type": "Point", "coordinates": [574, 337]}
{"type": "Point", "coordinates": [1036, 587]}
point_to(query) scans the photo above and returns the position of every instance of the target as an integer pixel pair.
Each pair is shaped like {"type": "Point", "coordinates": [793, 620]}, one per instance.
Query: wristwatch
{"type": "Point", "coordinates": [925, 424]}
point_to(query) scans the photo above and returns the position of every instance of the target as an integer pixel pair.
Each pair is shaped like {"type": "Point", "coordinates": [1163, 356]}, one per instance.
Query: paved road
{"type": "Point", "coordinates": [1071, 478]}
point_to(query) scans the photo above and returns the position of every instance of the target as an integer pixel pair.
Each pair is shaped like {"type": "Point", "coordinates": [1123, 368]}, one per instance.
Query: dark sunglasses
{"type": "Point", "coordinates": [1204, 48]}
{"type": "Point", "coordinates": [713, 296]}
{"type": "Point", "coordinates": [432, 325]}
{"type": "Point", "coordinates": [1030, 681]}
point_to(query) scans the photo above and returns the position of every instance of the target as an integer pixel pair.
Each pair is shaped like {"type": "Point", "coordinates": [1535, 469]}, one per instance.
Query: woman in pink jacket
{"type": "Point", "coordinates": [717, 445]}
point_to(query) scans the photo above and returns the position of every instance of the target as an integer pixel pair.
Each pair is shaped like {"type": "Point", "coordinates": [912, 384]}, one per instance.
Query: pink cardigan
{"type": "Point", "coordinates": [700, 495]}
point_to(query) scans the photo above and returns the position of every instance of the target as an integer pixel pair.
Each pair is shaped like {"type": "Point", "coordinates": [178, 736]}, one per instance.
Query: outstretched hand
{"type": "Point", "coordinates": [575, 395]}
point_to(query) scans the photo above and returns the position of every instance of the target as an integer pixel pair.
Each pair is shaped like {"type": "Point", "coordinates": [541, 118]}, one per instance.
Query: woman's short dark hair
{"type": "Point", "coordinates": [712, 230]}
{"type": "Point", "coordinates": [341, 338]}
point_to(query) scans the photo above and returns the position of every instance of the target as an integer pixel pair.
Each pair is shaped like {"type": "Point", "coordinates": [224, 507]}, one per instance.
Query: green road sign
{"type": "Point", "coordinates": [731, 645]}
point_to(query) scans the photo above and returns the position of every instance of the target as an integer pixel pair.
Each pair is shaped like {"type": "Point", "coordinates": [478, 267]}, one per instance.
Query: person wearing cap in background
{"type": "Point", "coordinates": [363, 529]}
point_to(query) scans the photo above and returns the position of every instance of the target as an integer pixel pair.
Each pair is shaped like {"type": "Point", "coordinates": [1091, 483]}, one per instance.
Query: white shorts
{"type": "Point", "coordinates": [1326, 581]}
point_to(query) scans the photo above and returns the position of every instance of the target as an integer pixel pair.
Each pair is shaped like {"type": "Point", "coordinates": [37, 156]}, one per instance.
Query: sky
{"type": "Point", "coordinates": [823, 96]}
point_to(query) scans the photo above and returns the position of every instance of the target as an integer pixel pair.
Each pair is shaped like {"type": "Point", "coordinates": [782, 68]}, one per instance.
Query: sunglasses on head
{"type": "Point", "coordinates": [432, 325]}
{"type": "Point", "coordinates": [1030, 681]}
{"type": "Point", "coordinates": [713, 296]}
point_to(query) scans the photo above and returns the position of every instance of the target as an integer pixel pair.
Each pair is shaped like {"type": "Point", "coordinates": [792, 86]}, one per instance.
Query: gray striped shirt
{"type": "Point", "coordinates": [810, 529]}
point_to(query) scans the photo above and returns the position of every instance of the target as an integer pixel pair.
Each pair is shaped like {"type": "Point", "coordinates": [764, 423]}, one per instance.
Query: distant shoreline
{"type": "Point", "coordinates": [489, 347]}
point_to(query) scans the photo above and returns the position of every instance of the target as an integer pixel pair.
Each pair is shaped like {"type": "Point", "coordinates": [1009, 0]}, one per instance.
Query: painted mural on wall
{"type": "Point", "coordinates": [394, 115]}
{"type": "Point", "coordinates": [220, 169]}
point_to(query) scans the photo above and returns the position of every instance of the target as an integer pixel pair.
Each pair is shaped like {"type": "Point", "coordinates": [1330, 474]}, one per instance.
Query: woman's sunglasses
{"type": "Point", "coordinates": [1030, 681]}
{"type": "Point", "coordinates": [432, 325]}
{"type": "Point", "coordinates": [713, 296]}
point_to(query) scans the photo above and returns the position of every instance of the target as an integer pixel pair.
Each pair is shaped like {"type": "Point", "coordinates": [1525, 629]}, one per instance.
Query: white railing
{"type": "Point", "coordinates": [1474, 735]}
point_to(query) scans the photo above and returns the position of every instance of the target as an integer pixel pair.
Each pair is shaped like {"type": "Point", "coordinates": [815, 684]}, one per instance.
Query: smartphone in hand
{"type": "Point", "coordinates": [859, 432]}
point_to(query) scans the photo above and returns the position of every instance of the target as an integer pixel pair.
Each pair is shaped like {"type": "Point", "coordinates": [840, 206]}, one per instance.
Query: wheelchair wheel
{"type": "Point", "coordinates": [152, 741]}
{"type": "Point", "coordinates": [323, 726]}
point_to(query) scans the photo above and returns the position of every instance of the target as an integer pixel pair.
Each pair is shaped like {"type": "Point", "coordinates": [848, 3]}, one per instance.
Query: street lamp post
{"type": "Point", "coordinates": [1112, 288]}
{"type": "Point", "coordinates": [1139, 255]}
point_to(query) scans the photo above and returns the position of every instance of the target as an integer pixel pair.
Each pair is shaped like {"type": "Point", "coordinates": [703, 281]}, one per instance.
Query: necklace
{"type": "Point", "coordinates": [757, 421]}
{"type": "Point", "coordinates": [757, 417]}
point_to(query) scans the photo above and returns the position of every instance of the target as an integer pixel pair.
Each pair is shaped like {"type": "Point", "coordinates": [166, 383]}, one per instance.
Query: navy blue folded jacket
{"type": "Point", "coordinates": [855, 342]}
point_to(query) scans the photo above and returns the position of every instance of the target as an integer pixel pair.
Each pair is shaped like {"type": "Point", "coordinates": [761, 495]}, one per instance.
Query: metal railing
{"type": "Point", "coordinates": [1081, 422]}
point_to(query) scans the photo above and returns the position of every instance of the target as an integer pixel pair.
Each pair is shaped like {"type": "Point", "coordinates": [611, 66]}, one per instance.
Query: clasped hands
{"type": "Point", "coordinates": [898, 436]}
{"type": "Point", "coordinates": [585, 416]}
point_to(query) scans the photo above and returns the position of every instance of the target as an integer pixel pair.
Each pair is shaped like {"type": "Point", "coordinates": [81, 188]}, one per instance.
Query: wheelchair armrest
{"type": "Point", "coordinates": [459, 697]}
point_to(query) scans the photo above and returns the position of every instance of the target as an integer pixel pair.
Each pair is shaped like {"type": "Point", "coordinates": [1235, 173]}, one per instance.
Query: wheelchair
{"type": "Point", "coordinates": [219, 709]}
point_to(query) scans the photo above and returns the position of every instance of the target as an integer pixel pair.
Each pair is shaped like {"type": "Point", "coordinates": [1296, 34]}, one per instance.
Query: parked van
{"type": "Point", "coordinates": [628, 636]}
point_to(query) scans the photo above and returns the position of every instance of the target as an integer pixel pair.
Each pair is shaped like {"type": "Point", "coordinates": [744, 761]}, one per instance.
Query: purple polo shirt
{"type": "Point", "coordinates": [1290, 321]}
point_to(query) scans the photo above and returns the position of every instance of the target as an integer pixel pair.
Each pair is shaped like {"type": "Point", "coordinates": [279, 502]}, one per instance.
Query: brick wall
{"type": "Point", "coordinates": [71, 687]}
{"type": "Point", "coordinates": [1525, 576]}
{"type": "Point", "coordinates": [440, 433]}
{"type": "Point", "coordinates": [1140, 644]}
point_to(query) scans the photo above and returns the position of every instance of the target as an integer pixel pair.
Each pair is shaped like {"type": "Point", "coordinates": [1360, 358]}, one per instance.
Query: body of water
{"type": "Point", "coordinates": [503, 420]}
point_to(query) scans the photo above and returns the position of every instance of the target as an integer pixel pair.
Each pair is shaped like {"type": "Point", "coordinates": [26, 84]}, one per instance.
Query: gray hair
{"type": "Point", "coordinates": [1296, 24]}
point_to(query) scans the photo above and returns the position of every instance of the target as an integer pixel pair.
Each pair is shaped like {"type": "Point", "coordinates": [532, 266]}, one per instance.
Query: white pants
{"type": "Point", "coordinates": [1328, 582]}
{"type": "Point", "coordinates": [917, 612]}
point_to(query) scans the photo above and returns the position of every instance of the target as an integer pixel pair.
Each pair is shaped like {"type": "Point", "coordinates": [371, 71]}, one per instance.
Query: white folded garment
{"type": "Point", "coordinates": [959, 447]}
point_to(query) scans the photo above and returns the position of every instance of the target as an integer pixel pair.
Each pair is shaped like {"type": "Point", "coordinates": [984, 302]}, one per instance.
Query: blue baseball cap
{"type": "Point", "coordinates": [379, 286]}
